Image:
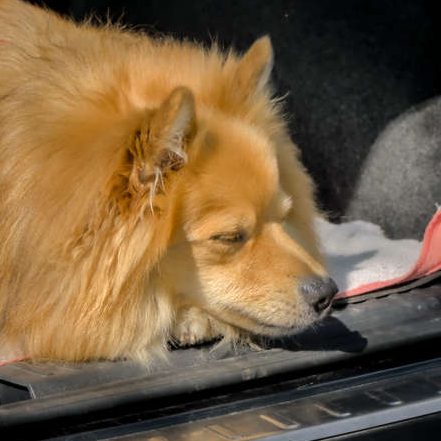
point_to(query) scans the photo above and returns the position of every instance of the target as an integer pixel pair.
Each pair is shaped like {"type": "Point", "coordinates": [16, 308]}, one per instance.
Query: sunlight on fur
{"type": "Point", "coordinates": [149, 192]}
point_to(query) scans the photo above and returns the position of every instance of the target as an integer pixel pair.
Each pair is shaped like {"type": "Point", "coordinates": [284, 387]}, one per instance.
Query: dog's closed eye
{"type": "Point", "coordinates": [233, 237]}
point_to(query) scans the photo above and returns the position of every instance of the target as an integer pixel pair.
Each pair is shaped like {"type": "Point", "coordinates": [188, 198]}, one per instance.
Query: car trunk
{"type": "Point", "coordinates": [375, 364]}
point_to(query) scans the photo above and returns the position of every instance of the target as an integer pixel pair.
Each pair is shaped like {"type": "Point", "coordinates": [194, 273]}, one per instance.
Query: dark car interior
{"type": "Point", "coordinates": [362, 81]}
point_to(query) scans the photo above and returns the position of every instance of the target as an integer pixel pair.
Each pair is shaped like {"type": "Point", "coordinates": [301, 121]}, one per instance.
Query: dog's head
{"type": "Point", "coordinates": [241, 245]}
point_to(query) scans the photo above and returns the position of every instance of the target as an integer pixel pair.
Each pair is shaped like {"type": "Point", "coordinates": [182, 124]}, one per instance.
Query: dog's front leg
{"type": "Point", "coordinates": [195, 326]}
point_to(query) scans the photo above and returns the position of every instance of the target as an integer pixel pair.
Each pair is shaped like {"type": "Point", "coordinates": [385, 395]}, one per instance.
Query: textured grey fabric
{"type": "Point", "coordinates": [401, 178]}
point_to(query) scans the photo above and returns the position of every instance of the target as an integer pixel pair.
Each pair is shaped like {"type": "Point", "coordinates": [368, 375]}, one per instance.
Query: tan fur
{"type": "Point", "coordinates": [126, 164]}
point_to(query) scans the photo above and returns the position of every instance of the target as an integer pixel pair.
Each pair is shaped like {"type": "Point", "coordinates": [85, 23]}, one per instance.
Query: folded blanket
{"type": "Point", "coordinates": [361, 259]}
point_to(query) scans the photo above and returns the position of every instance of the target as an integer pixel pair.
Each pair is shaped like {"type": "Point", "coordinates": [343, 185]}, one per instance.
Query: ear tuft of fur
{"type": "Point", "coordinates": [254, 68]}
{"type": "Point", "coordinates": [159, 146]}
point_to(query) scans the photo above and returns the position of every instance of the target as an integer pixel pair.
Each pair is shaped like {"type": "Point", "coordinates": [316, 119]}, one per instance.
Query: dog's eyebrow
{"type": "Point", "coordinates": [285, 204]}
{"type": "Point", "coordinates": [280, 206]}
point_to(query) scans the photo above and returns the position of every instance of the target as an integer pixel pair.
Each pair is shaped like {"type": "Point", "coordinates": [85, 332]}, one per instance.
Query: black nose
{"type": "Point", "coordinates": [318, 292]}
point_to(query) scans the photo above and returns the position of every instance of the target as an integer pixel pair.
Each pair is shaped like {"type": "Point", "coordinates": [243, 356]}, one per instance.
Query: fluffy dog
{"type": "Point", "coordinates": [148, 189]}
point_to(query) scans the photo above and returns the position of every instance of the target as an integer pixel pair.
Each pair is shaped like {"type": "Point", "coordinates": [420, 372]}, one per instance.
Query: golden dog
{"type": "Point", "coordinates": [148, 189]}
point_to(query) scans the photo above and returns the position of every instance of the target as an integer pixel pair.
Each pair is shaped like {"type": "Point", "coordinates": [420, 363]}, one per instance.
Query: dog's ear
{"type": "Point", "coordinates": [159, 146]}
{"type": "Point", "coordinates": [254, 68]}
{"type": "Point", "coordinates": [171, 128]}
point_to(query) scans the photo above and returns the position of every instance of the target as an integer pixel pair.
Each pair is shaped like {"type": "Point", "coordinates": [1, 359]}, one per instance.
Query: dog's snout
{"type": "Point", "coordinates": [318, 292]}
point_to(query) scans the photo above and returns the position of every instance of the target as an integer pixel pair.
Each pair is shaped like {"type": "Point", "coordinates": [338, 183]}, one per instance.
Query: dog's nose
{"type": "Point", "coordinates": [318, 292]}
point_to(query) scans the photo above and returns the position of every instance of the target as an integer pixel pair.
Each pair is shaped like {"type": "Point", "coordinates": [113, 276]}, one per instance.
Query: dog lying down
{"type": "Point", "coordinates": [149, 192]}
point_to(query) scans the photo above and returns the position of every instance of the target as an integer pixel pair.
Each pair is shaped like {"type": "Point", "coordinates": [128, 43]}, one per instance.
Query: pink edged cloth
{"type": "Point", "coordinates": [362, 260]}
{"type": "Point", "coordinates": [4, 362]}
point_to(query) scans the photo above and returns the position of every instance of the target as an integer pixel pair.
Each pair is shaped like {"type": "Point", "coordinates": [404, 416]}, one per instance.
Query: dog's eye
{"type": "Point", "coordinates": [236, 237]}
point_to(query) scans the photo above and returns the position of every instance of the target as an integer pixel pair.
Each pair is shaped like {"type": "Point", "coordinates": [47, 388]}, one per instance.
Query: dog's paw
{"type": "Point", "coordinates": [194, 326]}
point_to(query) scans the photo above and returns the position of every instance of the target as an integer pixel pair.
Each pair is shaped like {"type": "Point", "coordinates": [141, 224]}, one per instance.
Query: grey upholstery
{"type": "Point", "coordinates": [401, 178]}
